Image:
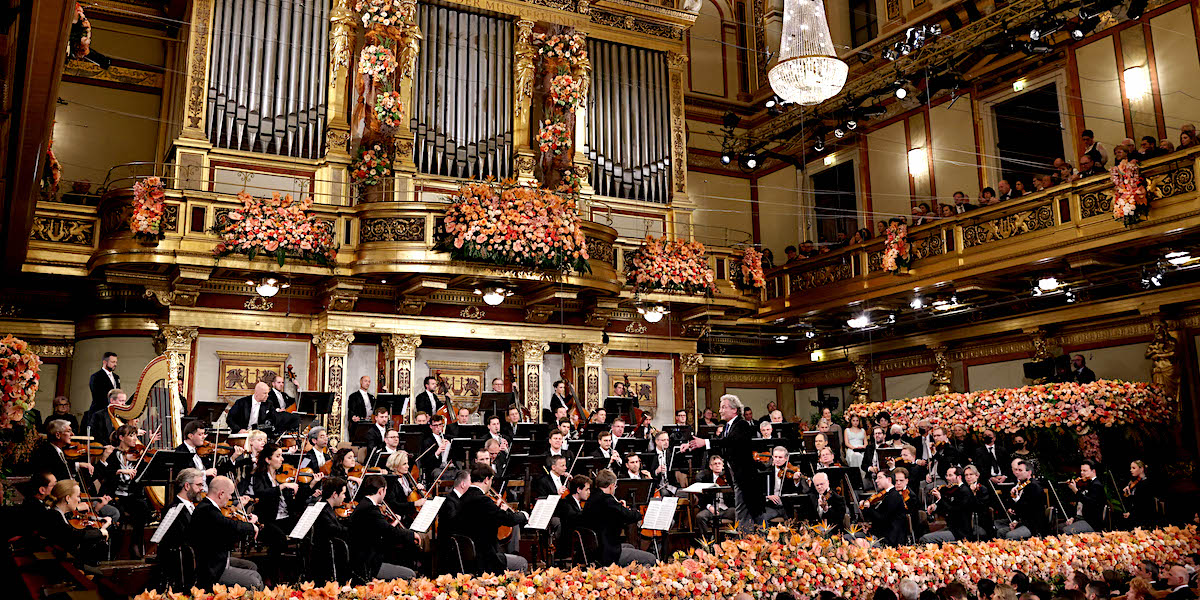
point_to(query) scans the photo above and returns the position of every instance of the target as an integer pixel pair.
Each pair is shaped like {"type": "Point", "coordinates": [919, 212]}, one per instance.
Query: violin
{"type": "Point", "coordinates": [1016, 491]}
{"type": "Point", "coordinates": [721, 482]}
{"type": "Point", "coordinates": [78, 450]}
{"type": "Point", "coordinates": [347, 509]}
{"type": "Point", "coordinates": [235, 512]}
{"type": "Point", "coordinates": [504, 531]}
{"type": "Point", "coordinates": [1128, 490]}
{"type": "Point", "coordinates": [361, 471]}
{"type": "Point", "coordinates": [289, 474]}
{"type": "Point", "coordinates": [206, 448]}
{"type": "Point", "coordinates": [790, 470]}
{"type": "Point", "coordinates": [763, 456]}
{"type": "Point", "coordinates": [876, 497]}
{"type": "Point", "coordinates": [84, 520]}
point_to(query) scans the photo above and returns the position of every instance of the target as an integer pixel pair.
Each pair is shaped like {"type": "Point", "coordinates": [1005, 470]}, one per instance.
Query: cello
{"type": "Point", "coordinates": [636, 409]}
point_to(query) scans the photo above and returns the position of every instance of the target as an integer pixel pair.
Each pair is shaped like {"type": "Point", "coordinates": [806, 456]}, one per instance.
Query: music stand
{"type": "Point", "coordinates": [533, 431]}
{"type": "Point", "coordinates": [209, 411]}
{"type": "Point", "coordinates": [393, 402]}
{"type": "Point", "coordinates": [317, 403]}
{"type": "Point", "coordinates": [162, 469]}
{"type": "Point", "coordinates": [495, 403]}
{"type": "Point", "coordinates": [787, 431]}
{"type": "Point", "coordinates": [615, 406]}
{"type": "Point", "coordinates": [627, 445]}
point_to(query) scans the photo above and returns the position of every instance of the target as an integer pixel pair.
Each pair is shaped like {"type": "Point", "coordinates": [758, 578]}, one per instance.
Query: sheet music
{"type": "Point", "coordinates": [165, 525]}
{"type": "Point", "coordinates": [697, 488]}
{"type": "Point", "coordinates": [660, 513]}
{"type": "Point", "coordinates": [306, 521]}
{"type": "Point", "coordinates": [542, 512]}
{"type": "Point", "coordinates": [429, 510]}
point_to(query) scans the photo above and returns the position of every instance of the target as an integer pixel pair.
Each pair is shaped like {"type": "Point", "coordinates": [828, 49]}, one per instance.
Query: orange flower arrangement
{"type": "Point", "coordinates": [800, 562]}
{"type": "Point", "coordinates": [670, 265]}
{"type": "Point", "coordinates": [19, 368]}
{"type": "Point", "coordinates": [275, 226]}
{"type": "Point", "coordinates": [1105, 403]}
{"type": "Point", "coordinates": [148, 209]}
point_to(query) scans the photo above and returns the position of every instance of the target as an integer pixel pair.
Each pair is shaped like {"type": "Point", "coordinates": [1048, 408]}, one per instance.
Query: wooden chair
{"type": "Point", "coordinates": [464, 548]}
{"type": "Point", "coordinates": [584, 546]}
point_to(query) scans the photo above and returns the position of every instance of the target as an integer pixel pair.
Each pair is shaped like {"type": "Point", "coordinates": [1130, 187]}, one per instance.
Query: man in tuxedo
{"type": "Point", "coordinates": [479, 518]}
{"type": "Point", "coordinates": [511, 418]}
{"type": "Point", "coordinates": [1080, 373]}
{"type": "Point", "coordinates": [1026, 506]}
{"type": "Point", "coordinates": [554, 482]}
{"type": "Point", "coordinates": [428, 400]}
{"type": "Point", "coordinates": [495, 427]}
{"type": "Point", "coordinates": [606, 453]}
{"type": "Point", "coordinates": [452, 430]}
{"type": "Point", "coordinates": [100, 426]}
{"type": "Point", "coordinates": [872, 463]}
{"type": "Point", "coordinates": [380, 420]}
{"type": "Point", "coordinates": [361, 403]}
{"type": "Point", "coordinates": [991, 460]}
{"type": "Point", "coordinates": [101, 382]}
{"type": "Point", "coordinates": [886, 514]}
{"type": "Point", "coordinates": [282, 400]}
{"type": "Point", "coordinates": [194, 435]}
{"type": "Point", "coordinates": [774, 488]}
{"type": "Point", "coordinates": [1089, 496]}
{"type": "Point", "coordinates": [214, 535]}
{"type": "Point", "coordinates": [717, 505]}
{"type": "Point", "coordinates": [830, 507]}
{"type": "Point", "coordinates": [945, 455]}
{"type": "Point", "coordinates": [190, 484]}
{"type": "Point", "coordinates": [328, 533]}
{"type": "Point", "coordinates": [608, 517]}
{"type": "Point", "coordinates": [259, 411]}
{"type": "Point", "coordinates": [568, 513]}
{"type": "Point", "coordinates": [318, 454]}
{"type": "Point", "coordinates": [435, 448]}
{"type": "Point", "coordinates": [1177, 582]}
{"type": "Point", "coordinates": [556, 446]}
{"type": "Point", "coordinates": [954, 502]}
{"type": "Point", "coordinates": [733, 442]}
{"type": "Point", "coordinates": [661, 464]}
{"type": "Point", "coordinates": [373, 536]}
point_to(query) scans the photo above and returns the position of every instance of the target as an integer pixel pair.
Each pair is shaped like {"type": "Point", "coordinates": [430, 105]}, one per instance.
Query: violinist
{"type": "Point", "coordinates": [401, 487]}
{"type": "Point", "coordinates": [825, 459]}
{"type": "Point", "coordinates": [599, 417]}
{"type": "Point", "coordinates": [374, 532]}
{"type": "Point", "coordinates": [344, 463]}
{"type": "Point", "coordinates": [213, 536]}
{"type": "Point", "coordinates": [327, 531]}
{"type": "Point", "coordinates": [944, 456]}
{"type": "Point", "coordinates": [558, 446]}
{"type": "Point", "coordinates": [51, 457]}
{"type": "Point", "coordinates": [391, 445]}
{"type": "Point", "coordinates": [428, 401]}
{"type": "Point", "coordinates": [779, 481]}
{"type": "Point", "coordinates": [245, 460]}
{"type": "Point", "coordinates": [117, 469]}
{"type": "Point", "coordinates": [871, 463]}
{"type": "Point", "coordinates": [983, 500]}
{"type": "Point", "coordinates": [380, 419]}
{"type": "Point", "coordinates": [912, 500]}
{"type": "Point", "coordinates": [1088, 500]}
{"type": "Point", "coordinates": [954, 502]}
{"type": "Point", "coordinates": [190, 483]}
{"type": "Point", "coordinates": [908, 459]}
{"type": "Point", "coordinates": [609, 517]}
{"type": "Point", "coordinates": [633, 467]}
{"type": "Point", "coordinates": [90, 542]}
{"type": "Point", "coordinates": [435, 448]}
{"type": "Point", "coordinates": [608, 454]}
{"type": "Point", "coordinates": [1026, 506]}
{"type": "Point", "coordinates": [447, 517]}
{"type": "Point", "coordinates": [279, 500]}
{"type": "Point", "coordinates": [885, 510]}
{"type": "Point", "coordinates": [559, 399]}
{"type": "Point", "coordinates": [480, 514]}
{"type": "Point", "coordinates": [568, 512]}
{"type": "Point", "coordinates": [1138, 497]}
{"type": "Point", "coordinates": [318, 454]}
{"type": "Point", "coordinates": [717, 505]}
{"type": "Point", "coordinates": [100, 423]}
{"type": "Point", "coordinates": [830, 506]}
{"type": "Point", "coordinates": [32, 510]}
{"type": "Point", "coordinates": [554, 482]}
{"type": "Point", "coordinates": [496, 458]}
{"type": "Point", "coordinates": [194, 436]}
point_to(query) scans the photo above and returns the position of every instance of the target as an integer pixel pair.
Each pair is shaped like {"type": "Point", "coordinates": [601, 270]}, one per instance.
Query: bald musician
{"type": "Point", "coordinates": [259, 411]}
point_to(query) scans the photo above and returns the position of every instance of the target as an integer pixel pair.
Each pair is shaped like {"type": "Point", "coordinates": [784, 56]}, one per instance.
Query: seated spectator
{"type": "Point", "coordinates": [1047, 182]}
{"type": "Point", "coordinates": [861, 236]}
{"type": "Point", "coordinates": [1191, 129]}
{"type": "Point", "coordinates": [1187, 139]}
{"type": "Point", "coordinates": [1066, 172]}
{"type": "Point", "coordinates": [840, 239]}
{"type": "Point", "coordinates": [1019, 188]}
{"type": "Point", "coordinates": [791, 254]}
{"type": "Point", "coordinates": [1148, 148]}
{"type": "Point", "coordinates": [920, 214]}
{"type": "Point", "coordinates": [1121, 154]}
{"type": "Point", "coordinates": [961, 204]}
{"type": "Point", "coordinates": [988, 197]}
{"type": "Point", "coordinates": [807, 249]}
{"type": "Point", "coordinates": [1003, 191]}
{"type": "Point", "coordinates": [768, 259]}
{"type": "Point", "coordinates": [1090, 144]}
{"type": "Point", "coordinates": [1166, 146]}
{"type": "Point", "coordinates": [1089, 164]}
{"type": "Point", "coordinates": [880, 227]}
{"type": "Point", "coordinates": [945, 211]}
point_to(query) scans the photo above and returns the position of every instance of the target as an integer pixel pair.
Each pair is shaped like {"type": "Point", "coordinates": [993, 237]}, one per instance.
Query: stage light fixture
{"type": "Point", "coordinates": [1178, 258]}
{"type": "Point", "coordinates": [839, 133]}
{"type": "Point", "coordinates": [901, 93]}
{"type": "Point", "coordinates": [726, 158]}
{"type": "Point", "coordinates": [654, 313]}
{"type": "Point", "coordinates": [268, 285]}
{"type": "Point", "coordinates": [917, 303]}
{"type": "Point", "coordinates": [819, 145]}
{"type": "Point", "coordinates": [860, 322]}
{"type": "Point", "coordinates": [851, 124]}
{"type": "Point", "coordinates": [751, 160]}
{"type": "Point", "coordinates": [493, 296]}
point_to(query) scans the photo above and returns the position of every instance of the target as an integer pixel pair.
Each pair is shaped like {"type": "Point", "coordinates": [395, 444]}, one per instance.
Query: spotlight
{"type": "Point", "coordinates": [1047, 284]}
{"type": "Point", "coordinates": [1084, 27]}
{"type": "Point", "coordinates": [773, 101]}
{"type": "Point", "coordinates": [917, 303]}
{"type": "Point", "coordinates": [781, 339]}
{"type": "Point", "coordinates": [810, 334]}
{"type": "Point", "coordinates": [1035, 34]}
{"type": "Point", "coordinates": [851, 124]}
{"type": "Point", "coordinates": [839, 133]}
{"type": "Point", "coordinates": [653, 314]}
{"type": "Point", "coordinates": [901, 93]}
{"type": "Point", "coordinates": [935, 29]}
{"type": "Point", "coordinates": [730, 120]}
{"type": "Point", "coordinates": [820, 145]}
{"type": "Point", "coordinates": [726, 158]}
{"type": "Point", "coordinates": [1070, 297]}
{"type": "Point", "coordinates": [1032, 48]}
{"type": "Point", "coordinates": [860, 322]}
{"type": "Point", "coordinates": [751, 161]}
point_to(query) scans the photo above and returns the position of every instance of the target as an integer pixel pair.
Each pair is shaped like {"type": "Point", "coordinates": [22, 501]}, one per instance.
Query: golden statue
{"type": "Point", "coordinates": [1161, 351]}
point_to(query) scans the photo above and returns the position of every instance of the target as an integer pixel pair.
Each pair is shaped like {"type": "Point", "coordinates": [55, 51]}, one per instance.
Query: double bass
{"type": "Point", "coordinates": [573, 407]}
{"type": "Point", "coordinates": [445, 410]}
{"type": "Point", "coordinates": [629, 393]}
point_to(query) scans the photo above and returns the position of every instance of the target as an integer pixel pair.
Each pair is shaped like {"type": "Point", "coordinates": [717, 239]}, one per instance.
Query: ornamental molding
{"type": "Point", "coordinates": [588, 353]}
{"type": "Point", "coordinates": [529, 351]}
{"type": "Point", "coordinates": [690, 362]}
{"type": "Point", "coordinates": [333, 341]}
{"type": "Point", "coordinates": [63, 230]}
{"type": "Point", "coordinates": [53, 350]}
{"type": "Point", "coordinates": [175, 338]}
{"type": "Point", "coordinates": [402, 344]}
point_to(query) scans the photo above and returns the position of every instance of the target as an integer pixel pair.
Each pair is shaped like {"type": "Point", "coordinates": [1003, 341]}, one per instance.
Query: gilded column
{"type": "Point", "coordinates": [527, 356]}
{"type": "Point", "coordinates": [332, 347]}
{"type": "Point", "coordinates": [341, 44]}
{"type": "Point", "coordinates": [588, 360]}
{"type": "Point", "coordinates": [689, 367]}
{"type": "Point", "coordinates": [409, 45]}
{"type": "Point", "coordinates": [175, 342]}
{"type": "Point", "coordinates": [681, 205]}
{"type": "Point", "coordinates": [1040, 340]}
{"type": "Point", "coordinates": [524, 57]}
{"type": "Point", "coordinates": [401, 352]}
{"type": "Point", "coordinates": [942, 373]}
{"type": "Point", "coordinates": [199, 40]}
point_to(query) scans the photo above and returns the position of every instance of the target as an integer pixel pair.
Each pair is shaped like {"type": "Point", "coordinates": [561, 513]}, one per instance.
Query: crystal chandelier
{"type": "Point", "coordinates": [808, 71]}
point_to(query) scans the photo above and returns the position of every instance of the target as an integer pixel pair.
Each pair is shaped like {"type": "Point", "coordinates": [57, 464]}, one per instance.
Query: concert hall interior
{"type": "Point", "coordinates": [358, 299]}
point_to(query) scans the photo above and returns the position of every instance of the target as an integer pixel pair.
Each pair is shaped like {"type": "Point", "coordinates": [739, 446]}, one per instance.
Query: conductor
{"type": "Point", "coordinates": [733, 441]}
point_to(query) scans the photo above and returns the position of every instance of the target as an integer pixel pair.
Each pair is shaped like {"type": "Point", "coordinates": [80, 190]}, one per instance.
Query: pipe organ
{"type": "Point", "coordinates": [268, 70]}
{"type": "Point", "coordinates": [462, 106]}
{"type": "Point", "coordinates": [629, 122]}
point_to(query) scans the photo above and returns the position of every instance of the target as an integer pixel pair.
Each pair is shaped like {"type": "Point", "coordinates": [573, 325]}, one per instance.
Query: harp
{"type": "Point", "coordinates": [157, 403]}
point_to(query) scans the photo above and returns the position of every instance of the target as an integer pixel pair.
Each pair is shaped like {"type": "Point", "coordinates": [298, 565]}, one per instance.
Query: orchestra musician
{"type": "Point", "coordinates": [28, 516]}
{"type": "Point", "coordinates": [609, 517]}
{"type": "Point", "coordinates": [944, 456]}
{"type": "Point", "coordinates": [329, 534]}
{"type": "Point", "coordinates": [480, 515]}
{"type": "Point", "coordinates": [955, 502]}
{"type": "Point", "coordinates": [825, 428]}
{"type": "Point", "coordinates": [661, 463]}
{"type": "Point", "coordinates": [708, 418]}
{"type": "Point", "coordinates": [733, 443]}
{"type": "Point", "coordinates": [569, 512]}
{"type": "Point", "coordinates": [495, 427]}
{"type": "Point", "coordinates": [1138, 497]}
{"type": "Point", "coordinates": [826, 460]}
{"type": "Point", "coordinates": [61, 411]}
{"type": "Point", "coordinates": [421, 418]}
{"type": "Point", "coordinates": [717, 505]}
{"type": "Point", "coordinates": [190, 483]}
{"type": "Point", "coordinates": [100, 425]}
{"type": "Point", "coordinates": [558, 446]}
{"type": "Point", "coordinates": [373, 535]}
{"type": "Point", "coordinates": [1088, 494]}
{"type": "Point", "coordinates": [983, 499]}
{"type": "Point", "coordinates": [599, 417]}
{"type": "Point", "coordinates": [830, 506]}
{"type": "Point", "coordinates": [511, 418]}
{"type": "Point", "coordinates": [606, 452]}
{"type": "Point", "coordinates": [194, 435]}
{"type": "Point", "coordinates": [776, 483]}
{"type": "Point", "coordinates": [90, 544]}
{"type": "Point", "coordinates": [554, 482]}
{"type": "Point", "coordinates": [766, 431]}
{"type": "Point", "coordinates": [558, 399]}
{"type": "Point", "coordinates": [48, 456]}
{"type": "Point", "coordinates": [391, 445]}
{"type": "Point", "coordinates": [912, 500]}
{"type": "Point", "coordinates": [462, 418]}
{"type": "Point", "coordinates": [401, 485]}
{"type": "Point", "coordinates": [872, 463]}
{"type": "Point", "coordinates": [360, 402]}
{"type": "Point", "coordinates": [498, 385]}
{"type": "Point", "coordinates": [259, 411]}
{"type": "Point", "coordinates": [618, 428]}
{"type": "Point", "coordinates": [117, 468]}
{"type": "Point", "coordinates": [435, 448]}
{"type": "Point", "coordinates": [497, 458]}
{"type": "Point", "coordinates": [448, 517]}
{"type": "Point", "coordinates": [281, 399]}
{"type": "Point", "coordinates": [1026, 506]}
{"type": "Point", "coordinates": [213, 536]}
{"type": "Point", "coordinates": [885, 510]}
{"type": "Point", "coordinates": [554, 417]}
{"type": "Point", "coordinates": [564, 426]}
{"type": "Point", "coordinates": [908, 459]}
{"type": "Point", "coordinates": [633, 467]}
{"type": "Point", "coordinates": [380, 419]}
{"type": "Point", "coordinates": [644, 430]}
{"type": "Point", "coordinates": [244, 458]}
{"type": "Point", "coordinates": [318, 454]}
{"type": "Point", "coordinates": [619, 389]}
{"type": "Point", "coordinates": [278, 504]}
{"type": "Point", "coordinates": [344, 460]}
{"type": "Point", "coordinates": [428, 401]}
{"type": "Point", "coordinates": [100, 383]}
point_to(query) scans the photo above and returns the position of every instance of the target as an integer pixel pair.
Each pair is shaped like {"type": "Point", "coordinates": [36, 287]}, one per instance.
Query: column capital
{"type": "Point", "coordinates": [402, 344]}
{"type": "Point", "coordinates": [333, 341]}
{"type": "Point", "coordinates": [175, 338]}
{"type": "Point", "coordinates": [942, 373]}
{"type": "Point", "coordinates": [690, 362]}
{"type": "Point", "coordinates": [529, 350]}
{"type": "Point", "coordinates": [588, 352]}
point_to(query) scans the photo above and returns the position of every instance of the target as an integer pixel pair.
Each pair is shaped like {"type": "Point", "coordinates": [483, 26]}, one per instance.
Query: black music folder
{"type": "Point", "coordinates": [317, 403]}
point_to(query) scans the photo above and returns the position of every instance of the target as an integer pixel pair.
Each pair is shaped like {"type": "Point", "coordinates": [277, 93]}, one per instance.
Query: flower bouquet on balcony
{"type": "Point", "coordinates": [896, 250]}
{"type": "Point", "coordinates": [1131, 198]}
{"type": "Point", "coordinates": [749, 273]}
{"type": "Point", "coordinates": [379, 62]}
{"type": "Point", "coordinates": [378, 12]}
{"type": "Point", "coordinates": [19, 368]}
{"type": "Point", "coordinates": [148, 209]}
{"type": "Point", "coordinates": [515, 225]}
{"type": "Point", "coordinates": [389, 109]}
{"type": "Point", "coordinates": [371, 166]}
{"type": "Point", "coordinates": [554, 138]}
{"type": "Point", "coordinates": [278, 227]}
{"type": "Point", "coordinates": [667, 265]}
{"type": "Point", "coordinates": [566, 92]}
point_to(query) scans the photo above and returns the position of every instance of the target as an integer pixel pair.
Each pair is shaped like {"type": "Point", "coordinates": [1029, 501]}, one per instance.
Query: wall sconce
{"type": "Point", "coordinates": [1137, 82]}
{"type": "Point", "coordinates": [917, 165]}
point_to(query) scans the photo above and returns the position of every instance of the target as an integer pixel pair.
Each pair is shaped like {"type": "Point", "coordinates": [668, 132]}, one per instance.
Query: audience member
{"type": "Point", "coordinates": [1003, 191]}
{"type": "Point", "coordinates": [961, 203]}
{"type": "Point", "coordinates": [881, 227]}
{"type": "Point", "coordinates": [945, 211]}
{"type": "Point", "coordinates": [1019, 188]}
{"type": "Point", "coordinates": [1166, 146]}
{"type": "Point", "coordinates": [791, 254]}
{"type": "Point", "coordinates": [920, 214]}
{"type": "Point", "coordinates": [807, 249]}
{"type": "Point", "coordinates": [987, 197]}
{"type": "Point", "coordinates": [1148, 148]}
{"type": "Point", "coordinates": [1089, 165]}
{"type": "Point", "coordinates": [1187, 139]}
{"type": "Point", "coordinates": [1121, 154]}
{"type": "Point", "coordinates": [768, 259]}
{"type": "Point", "coordinates": [1091, 145]}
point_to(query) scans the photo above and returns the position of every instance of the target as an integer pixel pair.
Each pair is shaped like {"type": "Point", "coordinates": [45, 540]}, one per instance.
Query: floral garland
{"type": "Point", "coordinates": [280, 227]}
{"type": "Point", "coordinates": [378, 12]}
{"type": "Point", "coordinates": [372, 165]}
{"type": "Point", "coordinates": [554, 138]}
{"type": "Point", "coordinates": [1104, 403]}
{"type": "Point", "coordinates": [564, 47]}
{"type": "Point", "coordinates": [52, 171]}
{"type": "Point", "coordinates": [510, 224]}
{"type": "Point", "coordinates": [19, 374]}
{"type": "Point", "coordinates": [783, 560]}
{"type": "Point", "coordinates": [148, 209]}
{"type": "Point", "coordinates": [750, 270]}
{"type": "Point", "coordinates": [389, 109]}
{"type": "Point", "coordinates": [81, 34]}
{"type": "Point", "coordinates": [563, 58]}
{"type": "Point", "coordinates": [896, 249]}
{"type": "Point", "coordinates": [377, 61]}
{"type": "Point", "coordinates": [1131, 201]}
{"type": "Point", "coordinates": [566, 92]}
{"type": "Point", "coordinates": [670, 265]}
